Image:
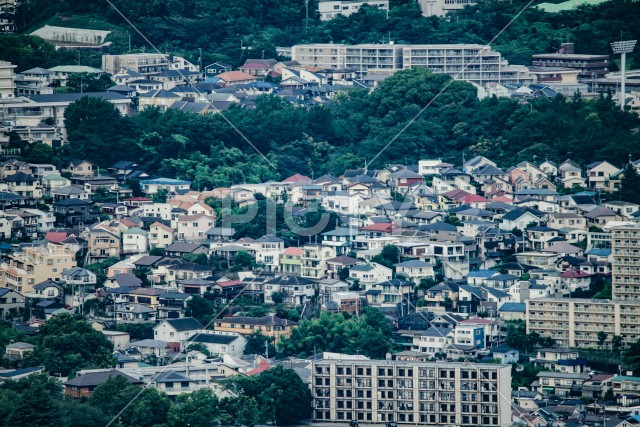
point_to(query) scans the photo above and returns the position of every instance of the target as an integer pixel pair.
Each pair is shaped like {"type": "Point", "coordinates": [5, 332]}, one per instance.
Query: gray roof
{"type": "Point", "coordinates": [213, 338]}
{"type": "Point", "coordinates": [93, 379]}
{"type": "Point", "coordinates": [171, 377]}
{"type": "Point", "coordinates": [185, 324]}
{"type": "Point", "coordinates": [70, 97]}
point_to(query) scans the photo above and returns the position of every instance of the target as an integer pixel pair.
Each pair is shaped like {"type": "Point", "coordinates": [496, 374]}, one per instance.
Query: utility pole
{"type": "Point", "coordinates": [306, 19]}
{"type": "Point", "coordinates": [266, 348]}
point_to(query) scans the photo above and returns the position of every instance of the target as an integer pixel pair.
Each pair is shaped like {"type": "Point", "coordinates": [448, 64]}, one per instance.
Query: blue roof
{"type": "Point", "coordinates": [19, 372]}
{"type": "Point", "coordinates": [516, 307]}
{"type": "Point", "coordinates": [600, 251]}
{"type": "Point", "coordinates": [165, 181]}
{"type": "Point", "coordinates": [482, 273]}
{"type": "Point", "coordinates": [573, 362]}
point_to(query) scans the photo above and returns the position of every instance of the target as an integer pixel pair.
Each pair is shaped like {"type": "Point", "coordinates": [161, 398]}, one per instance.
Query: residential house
{"type": "Point", "coordinates": [151, 186]}
{"type": "Point", "coordinates": [135, 241]}
{"type": "Point", "coordinates": [414, 270]}
{"type": "Point", "coordinates": [505, 354]}
{"type": "Point", "coordinates": [220, 343]}
{"type": "Point", "coordinates": [294, 290]}
{"type": "Point", "coordinates": [270, 326]}
{"type": "Point", "coordinates": [77, 167]}
{"type": "Point", "coordinates": [103, 244]}
{"type": "Point", "coordinates": [12, 304]}
{"type": "Point", "coordinates": [84, 385]}
{"type": "Point", "coordinates": [598, 174]}
{"type": "Point", "coordinates": [369, 274]}
{"type": "Point", "coordinates": [177, 330]}
{"type": "Point", "coordinates": [193, 228]}
{"type": "Point", "coordinates": [73, 212]}
{"type": "Point", "coordinates": [160, 235]}
{"type": "Point", "coordinates": [24, 185]}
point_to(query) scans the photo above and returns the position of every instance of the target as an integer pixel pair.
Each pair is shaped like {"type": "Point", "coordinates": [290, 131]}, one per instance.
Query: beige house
{"type": "Point", "coordinates": [160, 235]}
{"type": "Point", "coordinates": [34, 265]}
{"type": "Point", "coordinates": [80, 168]}
{"type": "Point", "coordinates": [561, 221]}
{"type": "Point", "coordinates": [598, 174]}
{"type": "Point", "coordinates": [102, 245]}
{"type": "Point", "coordinates": [193, 228]}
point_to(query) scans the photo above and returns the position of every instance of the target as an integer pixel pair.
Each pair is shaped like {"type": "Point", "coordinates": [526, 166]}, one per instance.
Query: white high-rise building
{"type": "Point", "coordinates": [442, 7]}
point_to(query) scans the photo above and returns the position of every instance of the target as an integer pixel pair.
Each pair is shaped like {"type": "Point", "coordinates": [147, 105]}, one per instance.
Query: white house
{"type": "Point", "coordinates": [177, 330]}
{"type": "Point", "coordinates": [220, 343]}
{"type": "Point", "coordinates": [135, 241]}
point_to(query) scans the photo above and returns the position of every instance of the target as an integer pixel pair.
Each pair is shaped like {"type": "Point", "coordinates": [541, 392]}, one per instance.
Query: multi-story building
{"type": "Point", "coordinates": [589, 66]}
{"type": "Point", "coordinates": [34, 265]}
{"type": "Point", "coordinates": [7, 78]}
{"type": "Point", "coordinates": [471, 62]}
{"type": "Point", "coordinates": [625, 245]}
{"type": "Point", "coordinates": [269, 326]}
{"type": "Point", "coordinates": [329, 9]}
{"type": "Point", "coordinates": [143, 63]}
{"type": "Point", "coordinates": [442, 7]}
{"type": "Point", "coordinates": [7, 16]}
{"type": "Point", "coordinates": [404, 392]}
{"type": "Point", "coordinates": [576, 322]}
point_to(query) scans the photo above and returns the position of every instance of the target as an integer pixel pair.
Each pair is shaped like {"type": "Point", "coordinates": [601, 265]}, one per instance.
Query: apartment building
{"type": "Point", "coordinates": [7, 80]}
{"type": "Point", "coordinates": [7, 16]}
{"type": "Point", "coordinates": [404, 392]}
{"type": "Point", "coordinates": [143, 63]}
{"type": "Point", "coordinates": [471, 62]}
{"type": "Point", "coordinates": [269, 326]}
{"type": "Point", "coordinates": [34, 265]}
{"type": "Point", "coordinates": [576, 322]}
{"type": "Point", "coordinates": [442, 7]}
{"type": "Point", "coordinates": [329, 9]}
{"type": "Point", "coordinates": [625, 278]}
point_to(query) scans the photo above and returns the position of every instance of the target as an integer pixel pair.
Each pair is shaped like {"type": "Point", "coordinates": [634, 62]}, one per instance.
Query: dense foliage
{"type": "Point", "coordinates": [233, 30]}
{"type": "Point", "coordinates": [67, 344]}
{"type": "Point", "coordinates": [357, 126]}
{"type": "Point", "coordinates": [368, 334]}
{"type": "Point", "coordinates": [37, 400]}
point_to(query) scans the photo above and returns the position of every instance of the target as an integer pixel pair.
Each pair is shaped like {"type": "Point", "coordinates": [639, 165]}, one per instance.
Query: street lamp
{"type": "Point", "coordinates": [622, 48]}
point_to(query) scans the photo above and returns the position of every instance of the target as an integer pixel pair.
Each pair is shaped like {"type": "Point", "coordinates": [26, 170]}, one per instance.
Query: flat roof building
{"type": "Point", "coordinates": [410, 392]}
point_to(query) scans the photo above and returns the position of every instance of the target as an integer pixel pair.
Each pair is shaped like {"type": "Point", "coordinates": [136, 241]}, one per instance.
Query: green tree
{"type": "Point", "coordinates": [616, 344]}
{"type": "Point", "coordinates": [389, 256]}
{"type": "Point", "coordinates": [258, 311]}
{"type": "Point", "coordinates": [278, 297]}
{"type": "Point", "coordinates": [272, 390]}
{"type": "Point", "coordinates": [602, 338]}
{"type": "Point", "coordinates": [69, 344]}
{"type": "Point", "coordinates": [197, 409]}
{"type": "Point", "coordinates": [629, 185]}
{"type": "Point", "coordinates": [37, 404]}
{"type": "Point", "coordinates": [39, 152]}
{"type": "Point", "coordinates": [160, 196]}
{"type": "Point", "coordinates": [85, 82]}
{"type": "Point", "coordinates": [200, 308]}
{"type": "Point", "coordinates": [256, 344]}
{"type": "Point", "coordinates": [243, 260]}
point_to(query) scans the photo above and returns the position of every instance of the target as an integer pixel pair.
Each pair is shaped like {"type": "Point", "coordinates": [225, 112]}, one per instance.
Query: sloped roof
{"type": "Point", "coordinates": [185, 324]}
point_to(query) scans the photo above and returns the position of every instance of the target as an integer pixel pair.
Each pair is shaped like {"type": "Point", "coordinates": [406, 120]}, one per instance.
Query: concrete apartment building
{"type": "Point", "coordinates": [329, 9]}
{"type": "Point", "coordinates": [576, 322]}
{"type": "Point", "coordinates": [7, 80]}
{"type": "Point", "coordinates": [471, 62]}
{"type": "Point", "coordinates": [442, 7]}
{"type": "Point", "coordinates": [34, 265]}
{"type": "Point", "coordinates": [143, 63]}
{"type": "Point", "coordinates": [589, 66]}
{"type": "Point", "coordinates": [625, 278]}
{"type": "Point", "coordinates": [404, 392]}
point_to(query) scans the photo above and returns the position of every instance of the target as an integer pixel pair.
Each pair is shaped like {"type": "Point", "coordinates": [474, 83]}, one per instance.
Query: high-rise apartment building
{"type": "Point", "coordinates": [575, 322]}
{"type": "Point", "coordinates": [471, 62]}
{"type": "Point", "coordinates": [7, 16]}
{"type": "Point", "coordinates": [404, 392]}
{"type": "Point", "coordinates": [625, 276]}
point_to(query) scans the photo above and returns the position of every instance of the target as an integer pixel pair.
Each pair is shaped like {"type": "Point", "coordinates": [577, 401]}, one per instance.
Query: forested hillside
{"type": "Point", "coordinates": [221, 28]}
{"type": "Point", "coordinates": [353, 129]}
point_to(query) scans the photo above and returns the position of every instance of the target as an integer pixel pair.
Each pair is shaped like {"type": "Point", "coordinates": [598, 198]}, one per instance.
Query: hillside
{"type": "Point", "coordinates": [220, 28]}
